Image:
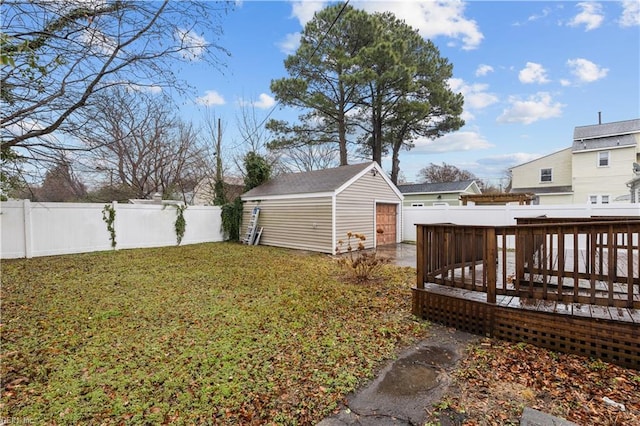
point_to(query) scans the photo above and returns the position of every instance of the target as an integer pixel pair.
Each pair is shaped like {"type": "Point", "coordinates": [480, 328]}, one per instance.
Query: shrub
{"type": "Point", "coordinates": [231, 219]}
{"type": "Point", "coordinates": [363, 265]}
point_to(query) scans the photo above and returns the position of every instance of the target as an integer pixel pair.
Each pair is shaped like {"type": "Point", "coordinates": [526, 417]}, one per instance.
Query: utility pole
{"type": "Point", "coordinates": [220, 197]}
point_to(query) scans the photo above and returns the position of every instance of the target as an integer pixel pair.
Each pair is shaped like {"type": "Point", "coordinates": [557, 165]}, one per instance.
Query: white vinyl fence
{"type": "Point", "coordinates": [503, 215]}
{"type": "Point", "coordinates": [42, 229]}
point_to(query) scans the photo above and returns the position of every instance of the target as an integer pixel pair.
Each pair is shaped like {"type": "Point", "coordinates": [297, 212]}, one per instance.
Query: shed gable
{"type": "Point", "coordinates": [356, 206]}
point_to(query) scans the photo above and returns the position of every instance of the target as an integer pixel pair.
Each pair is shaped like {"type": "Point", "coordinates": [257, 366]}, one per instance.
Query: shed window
{"type": "Point", "coordinates": [603, 159]}
{"type": "Point", "coordinates": [546, 175]}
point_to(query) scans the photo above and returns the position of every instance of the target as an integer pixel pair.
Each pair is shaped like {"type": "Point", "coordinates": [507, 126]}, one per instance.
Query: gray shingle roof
{"type": "Point", "coordinates": [604, 142]}
{"type": "Point", "coordinates": [606, 129]}
{"type": "Point", "coordinates": [424, 188]}
{"type": "Point", "coordinates": [315, 181]}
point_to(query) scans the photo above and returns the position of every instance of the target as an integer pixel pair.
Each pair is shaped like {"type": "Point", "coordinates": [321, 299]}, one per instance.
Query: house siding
{"type": "Point", "coordinates": [554, 199]}
{"type": "Point", "coordinates": [528, 175]}
{"type": "Point", "coordinates": [301, 223]}
{"type": "Point", "coordinates": [589, 179]}
{"type": "Point", "coordinates": [356, 207]}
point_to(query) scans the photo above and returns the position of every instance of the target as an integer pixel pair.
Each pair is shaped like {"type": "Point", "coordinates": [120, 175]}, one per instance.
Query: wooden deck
{"type": "Point", "coordinates": [570, 285]}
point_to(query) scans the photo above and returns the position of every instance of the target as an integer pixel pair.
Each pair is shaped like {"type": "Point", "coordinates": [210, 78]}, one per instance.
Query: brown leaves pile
{"type": "Point", "coordinates": [496, 380]}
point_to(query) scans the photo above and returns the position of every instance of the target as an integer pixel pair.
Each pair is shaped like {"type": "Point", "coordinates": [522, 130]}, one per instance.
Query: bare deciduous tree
{"type": "Point", "coordinates": [309, 157]}
{"type": "Point", "coordinates": [138, 141]}
{"type": "Point", "coordinates": [435, 173]}
{"type": "Point", "coordinates": [61, 184]}
{"type": "Point", "coordinates": [58, 56]}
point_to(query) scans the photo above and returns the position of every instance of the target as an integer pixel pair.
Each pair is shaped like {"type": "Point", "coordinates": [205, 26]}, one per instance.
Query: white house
{"type": "Point", "coordinates": [595, 169]}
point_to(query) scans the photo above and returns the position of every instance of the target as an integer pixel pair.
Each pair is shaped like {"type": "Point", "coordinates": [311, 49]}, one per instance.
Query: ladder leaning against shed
{"type": "Point", "coordinates": [252, 237]}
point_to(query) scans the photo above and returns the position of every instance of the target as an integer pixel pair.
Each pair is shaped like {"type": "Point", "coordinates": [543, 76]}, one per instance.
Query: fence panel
{"type": "Point", "coordinates": [44, 229]}
{"type": "Point", "coordinates": [504, 215]}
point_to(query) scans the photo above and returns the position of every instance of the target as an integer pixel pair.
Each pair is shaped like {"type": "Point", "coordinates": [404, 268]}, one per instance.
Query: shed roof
{"type": "Point", "coordinates": [426, 188]}
{"type": "Point", "coordinates": [315, 181]}
{"type": "Point", "coordinates": [607, 129]}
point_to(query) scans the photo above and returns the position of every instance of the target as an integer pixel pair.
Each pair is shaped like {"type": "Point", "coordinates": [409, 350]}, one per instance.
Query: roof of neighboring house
{"type": "Point", "coordinates": [544, 190]}
{"type": "Point", "coordinates": [604, 142]}
{"type": "Point", "coordinates": [315, 181]}
{"type": "Point", "coordinates": [439, 187]}
{"type": "Point", "coordinates": [606, 129]}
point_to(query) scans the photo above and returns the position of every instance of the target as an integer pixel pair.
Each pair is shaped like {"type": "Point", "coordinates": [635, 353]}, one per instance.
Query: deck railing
{"type": "Point", "coordinates": [588, 260]}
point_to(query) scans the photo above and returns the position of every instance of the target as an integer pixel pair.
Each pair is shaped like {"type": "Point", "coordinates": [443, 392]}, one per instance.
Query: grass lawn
{"type": "Point", "coordinates": [208, 333]}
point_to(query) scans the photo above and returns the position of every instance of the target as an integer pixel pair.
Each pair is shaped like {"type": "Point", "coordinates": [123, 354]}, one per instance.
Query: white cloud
{"type": "Point", "coordinates": [565, 82]}
{"type": "Point", "coordinates": [27, 125]}
{"type": "Point", "coordinates": [630, 13]}
{"type": "Point", "coordinates": [508, 160]}
{"type": "Point", "coordinates": [211, 97]}
{"type": "Point", "coordinates": [483, 70]}
{"type": "Point", "coordinates": [533, 73]}
{"type": "Point", "coordinates": [544, 14]}
{"type": "Point", "coordinates": [537, 107]}
{"type": "Point", "coordinates": [264, 102]}
{"type": "Point", "coordinates": [452, 142]}
{"type": "Point", "coordinates": [586, 71]}
{"type": "Point", "coordinates": [467, 116]}
{"type": "Point", "coordinates": [290, 43]}
{"type": "Point", "coordinates": [432, 19]}
{"type": "Point", "coordinates": [591, 16]}
{"type": "Point", "coordinates": [148, 88]}
{"type": "Point", "coordinates": [475, 95]}
{"type": "Point", "coordinates": [193, 44]}
{"type": "Point", "coordinates": [304, 10]}
{"type": "Point", "coordinates": [98, 41]}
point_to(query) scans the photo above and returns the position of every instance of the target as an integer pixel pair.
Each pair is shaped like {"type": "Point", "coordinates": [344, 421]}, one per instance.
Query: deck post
{"type": "Point", "coordinates": [420, 253]}
{"type": "Point", "coordinates": [490, 262]}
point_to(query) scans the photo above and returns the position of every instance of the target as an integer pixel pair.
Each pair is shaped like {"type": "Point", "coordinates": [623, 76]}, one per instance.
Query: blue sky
{"type": "Point", "coordinates": [530, 72]}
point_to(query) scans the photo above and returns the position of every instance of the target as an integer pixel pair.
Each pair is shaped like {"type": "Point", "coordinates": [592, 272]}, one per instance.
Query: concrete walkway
{"type": "Point", "coordinates": [401, 254]}
{"type": "Point", "coordinates": [406, 390]}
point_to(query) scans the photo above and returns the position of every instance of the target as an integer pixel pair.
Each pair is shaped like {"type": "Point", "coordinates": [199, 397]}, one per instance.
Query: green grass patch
{"type": "Point", "coordinates": [208, 333]}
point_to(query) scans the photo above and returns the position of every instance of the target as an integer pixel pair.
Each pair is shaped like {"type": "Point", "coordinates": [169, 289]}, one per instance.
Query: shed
{"type": "Point", "coordinates": [439, 193]}
{"type": "Point", "coordinates": [313, 210]}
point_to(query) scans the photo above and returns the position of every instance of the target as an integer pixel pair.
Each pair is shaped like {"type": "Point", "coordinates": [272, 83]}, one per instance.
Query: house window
{"type": "Point", "coordinates": [417, 204]}
{"type": "Point", "coordinates": [603, 159]}
{"type": "Point", "coordinates": [599, 199]}
{"type": "Point", "coordinates": [546, 175]}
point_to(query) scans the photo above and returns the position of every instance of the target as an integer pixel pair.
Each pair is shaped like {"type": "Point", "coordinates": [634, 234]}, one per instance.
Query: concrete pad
{"type": "Point", "coordinates": [406, 388]}
{"type": "Point", "coordinates": [531, 417]}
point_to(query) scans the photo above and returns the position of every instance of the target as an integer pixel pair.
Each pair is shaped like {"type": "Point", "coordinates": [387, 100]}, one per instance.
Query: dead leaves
{"type": "Point", "coordinates": [200, 334]}
{"type": "Point", "coordinates": [496, 380]}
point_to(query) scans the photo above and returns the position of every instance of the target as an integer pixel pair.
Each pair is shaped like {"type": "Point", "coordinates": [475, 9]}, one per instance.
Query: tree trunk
{"type": "Point", "coordinates": [376, 142]}
{"type": "Point", "coordinates": [342, 136]}
{"type": "Point", "coordinates": [395, 165]}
